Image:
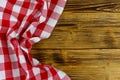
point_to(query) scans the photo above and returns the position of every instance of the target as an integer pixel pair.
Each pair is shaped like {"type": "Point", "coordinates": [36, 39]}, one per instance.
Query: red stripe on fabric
{"type": "Point", "coordinates": [54, 73]}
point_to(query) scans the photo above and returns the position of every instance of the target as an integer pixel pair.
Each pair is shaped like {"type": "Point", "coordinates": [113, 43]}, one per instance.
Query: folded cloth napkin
{"type": "Point", "coordinates": [23, 23]}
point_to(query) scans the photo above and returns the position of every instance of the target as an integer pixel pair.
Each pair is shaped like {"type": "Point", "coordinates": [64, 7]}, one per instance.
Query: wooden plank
{"type": "Point", "coordinates": [92, 64]}
{"type": "Point", "coordinates": [84, 30]}
{"type": "Point", "coordinates": [85, 2]}
{"type": "Point", "coordinates": [73, 57]}
{"type": "Point", "coordinates": [93, 6]}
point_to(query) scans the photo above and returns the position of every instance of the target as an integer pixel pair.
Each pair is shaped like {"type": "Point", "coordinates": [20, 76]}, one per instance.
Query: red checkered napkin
{"type": "Point", "coordinates": [23, 23]}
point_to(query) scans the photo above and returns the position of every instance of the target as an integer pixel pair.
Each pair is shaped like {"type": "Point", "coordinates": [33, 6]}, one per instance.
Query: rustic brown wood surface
{"type": "Point", "coordinates": [85, 42]}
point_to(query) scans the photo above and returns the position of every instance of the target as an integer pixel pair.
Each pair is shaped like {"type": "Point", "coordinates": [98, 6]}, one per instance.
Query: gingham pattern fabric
{"type": "Point", "coordinates": [23, 23]}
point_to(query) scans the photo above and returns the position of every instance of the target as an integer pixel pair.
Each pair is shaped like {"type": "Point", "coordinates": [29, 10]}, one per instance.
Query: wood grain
{"type": "Point", "coordinates": [93, 6]}
{"type": "Point", "coordinates": [85, 42]}
{"type": "Point", "coordinates": [85, 30]}
{"type": "Point", "coordinates": [100, 64]}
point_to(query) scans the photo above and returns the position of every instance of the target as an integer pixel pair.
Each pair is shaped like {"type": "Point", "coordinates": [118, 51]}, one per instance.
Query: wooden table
{"type": "Point", "coordinates": [86, 41]}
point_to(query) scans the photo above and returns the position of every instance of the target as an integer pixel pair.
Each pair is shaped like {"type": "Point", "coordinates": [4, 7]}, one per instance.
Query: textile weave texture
{"type": "Point", "coordinates": [23, 23]}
